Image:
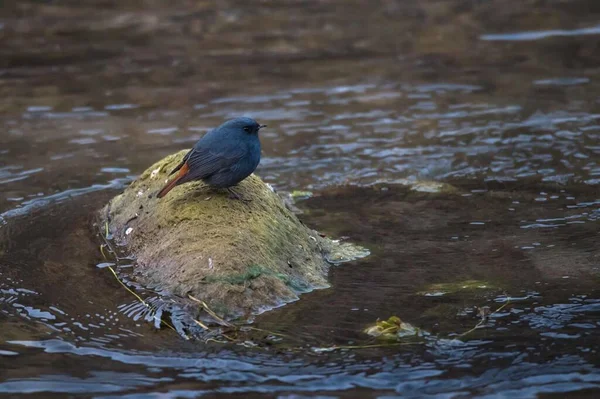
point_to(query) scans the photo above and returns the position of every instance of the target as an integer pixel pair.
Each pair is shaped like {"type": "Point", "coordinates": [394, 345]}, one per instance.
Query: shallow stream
{"type": "Point", "coordinates": [361, 98]}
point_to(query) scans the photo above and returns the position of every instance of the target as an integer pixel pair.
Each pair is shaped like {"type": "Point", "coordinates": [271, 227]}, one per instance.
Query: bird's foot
{"type": "Point", "coordinates": [236, 196]}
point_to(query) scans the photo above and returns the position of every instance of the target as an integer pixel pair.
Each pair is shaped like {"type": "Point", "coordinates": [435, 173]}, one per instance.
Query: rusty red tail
{"type": "Point", "coordinates": [169, 186]}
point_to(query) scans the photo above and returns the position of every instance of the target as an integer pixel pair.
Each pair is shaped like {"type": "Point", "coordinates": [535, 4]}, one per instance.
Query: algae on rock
{"type": "Point", "coordinates": [240, 257]}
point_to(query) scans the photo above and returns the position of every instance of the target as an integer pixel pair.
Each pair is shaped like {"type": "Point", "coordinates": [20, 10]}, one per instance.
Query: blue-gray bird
{"type": "Point", "coordinates": [222, 158]}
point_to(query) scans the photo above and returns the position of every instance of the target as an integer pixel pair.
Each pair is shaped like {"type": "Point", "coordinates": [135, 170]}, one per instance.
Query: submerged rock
{"type": "Point", "coordinates": [240, 257]}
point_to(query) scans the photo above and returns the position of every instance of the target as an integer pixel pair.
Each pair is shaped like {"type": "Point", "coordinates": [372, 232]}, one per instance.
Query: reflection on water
{"type": "Point", "coordinates": [332, 136]}
{"type": "Point", "coordinates": [537, 35]}
{"type": "Point", "coordinates": [500, 103]}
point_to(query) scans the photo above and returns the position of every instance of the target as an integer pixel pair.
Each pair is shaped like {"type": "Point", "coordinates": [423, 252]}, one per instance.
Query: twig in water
{"type": "Point", "coordinates": [211, 313]}
{"type": "Point", "coordinates": [333, 348]}
{"type": "Point", "coordinates": [484, 318]}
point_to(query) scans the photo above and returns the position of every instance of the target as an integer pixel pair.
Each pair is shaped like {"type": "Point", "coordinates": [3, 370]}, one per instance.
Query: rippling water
{"type": "Point", "coordinates": [361, 98]}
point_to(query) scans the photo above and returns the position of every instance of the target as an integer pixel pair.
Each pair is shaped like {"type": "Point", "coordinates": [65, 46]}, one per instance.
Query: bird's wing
{"type": "Point", "coordinates": [222, 179]}
{"type": "Point", "coordinates": [204, 162]}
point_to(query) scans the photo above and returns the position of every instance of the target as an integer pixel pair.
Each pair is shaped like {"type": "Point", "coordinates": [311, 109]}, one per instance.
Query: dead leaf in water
{"type": "Point", "coordinates": [391, 329]}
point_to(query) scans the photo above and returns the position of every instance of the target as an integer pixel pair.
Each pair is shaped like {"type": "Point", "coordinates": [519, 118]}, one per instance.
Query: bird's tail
{"type": "Point", "coordinates": [169, 186]}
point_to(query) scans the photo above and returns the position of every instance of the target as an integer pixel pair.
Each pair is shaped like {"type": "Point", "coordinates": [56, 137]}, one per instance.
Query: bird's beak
{"type": "Point", "coordinates": [261, 126]}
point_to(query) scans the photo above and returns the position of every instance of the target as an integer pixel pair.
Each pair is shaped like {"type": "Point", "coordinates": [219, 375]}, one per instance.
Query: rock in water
{"type": "Point", "coordinates": [240, 257]}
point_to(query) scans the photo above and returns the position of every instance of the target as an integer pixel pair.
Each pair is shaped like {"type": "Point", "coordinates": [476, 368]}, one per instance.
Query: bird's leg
{"type": "Point", "coordinates": [234, 195]}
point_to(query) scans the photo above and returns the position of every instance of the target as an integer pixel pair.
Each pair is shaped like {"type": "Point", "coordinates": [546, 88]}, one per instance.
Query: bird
{"type": "Point", "coordinates": [222, 158]}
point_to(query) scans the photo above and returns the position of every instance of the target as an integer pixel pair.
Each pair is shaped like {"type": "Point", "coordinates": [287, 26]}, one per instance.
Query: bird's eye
{"type": "Point", "coordinates": [247, 129]}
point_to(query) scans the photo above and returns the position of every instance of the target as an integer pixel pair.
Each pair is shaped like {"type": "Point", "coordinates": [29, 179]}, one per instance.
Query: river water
{"type": "Point", "coordinates": [360, 97]}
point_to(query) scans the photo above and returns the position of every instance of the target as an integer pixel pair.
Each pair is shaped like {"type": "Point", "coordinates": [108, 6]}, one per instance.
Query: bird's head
{"type": "Point", "coordinates": [248, 125]}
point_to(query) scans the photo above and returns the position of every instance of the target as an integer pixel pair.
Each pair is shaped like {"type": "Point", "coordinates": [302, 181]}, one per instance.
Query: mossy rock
{"type": "Point", "coordinates": [240, 257]}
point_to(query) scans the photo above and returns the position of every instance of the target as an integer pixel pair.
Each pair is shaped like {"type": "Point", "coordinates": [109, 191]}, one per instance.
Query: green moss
{"type": "Point", "coordinates": [440, 289]}
{"type": "Point", "coordinates": [297, 285]}
{"type": "Point", "coordinates": [251, 273]}
{"type": "Point", "coordinates": [300, 195]}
